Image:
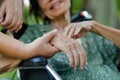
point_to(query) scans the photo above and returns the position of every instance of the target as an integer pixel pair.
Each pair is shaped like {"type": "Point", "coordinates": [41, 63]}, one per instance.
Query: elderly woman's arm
{"type": "Point", "coordinates": [77, 30]}
{"type": "Point", "coordinates": [107, 32]}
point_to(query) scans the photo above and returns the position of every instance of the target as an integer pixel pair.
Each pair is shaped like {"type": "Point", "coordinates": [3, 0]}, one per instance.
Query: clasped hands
{"type": "Point", "coordinates": [73, 49]}
{"type": "Point", "coordinates": [66, 42]}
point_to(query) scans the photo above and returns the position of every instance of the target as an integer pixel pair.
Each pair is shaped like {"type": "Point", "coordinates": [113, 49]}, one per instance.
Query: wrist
{"type": "Point", "coordinates": [93, 25]}
{"type": "Point", "coordinates": [23, 51]}
{"type": "Point", "coordinates": [30, 51]}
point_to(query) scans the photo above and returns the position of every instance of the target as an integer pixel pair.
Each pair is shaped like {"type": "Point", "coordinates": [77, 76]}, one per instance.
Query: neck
{"type": "Point", "coordinates": [61, 22]}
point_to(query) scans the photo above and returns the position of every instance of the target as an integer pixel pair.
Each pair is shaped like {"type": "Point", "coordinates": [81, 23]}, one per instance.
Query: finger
{"type": "Point", "coordinates": [76, 57]}
{"type": "Point", "coordinates": [77, 31]}
{"type": "Point", "coordinates": [67, 29]}
{"type": "Point", "coordinates": [81, 55]}
{"type": "Point", "coordinates": [81, 58]}
{"type": "Point", "coordinates": [20, 27]}
{"type": "Point", "coordinates": [20, 21]}
{"type": "Point", "coordinates": [8, 19]}
{"type": "Point", "coordinates": [16, 25]}
{"type": "Point", "coordinates": [83, 51]}
{"type": "Point", "coordinates": [85, 57]}
{"type": "Point", "coordinates": [49, 36]}
{"type": "Point", "coordinates": [71, 32]}
{"type": "Point", "coordinates": [19, 24]}
{"type": "Point", "coordinates": [2, 12]}
{"type": "Point", "coordinates": [12, 26]}
{"type": "Point", "coordinates": [71, 57]}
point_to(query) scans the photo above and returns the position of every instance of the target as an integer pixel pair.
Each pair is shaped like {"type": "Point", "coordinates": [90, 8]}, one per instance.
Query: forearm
{"type": "Point", "coordinates": [107, 32]}
{"type": "Point", "coordinates": [11, 47]}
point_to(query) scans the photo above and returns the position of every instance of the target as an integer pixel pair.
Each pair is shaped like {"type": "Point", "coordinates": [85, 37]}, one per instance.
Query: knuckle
{"type": "Point", "coordinates": [69, 44]}
{"type": "Point", "coordinates": [14, 24]}
{"type": "Point", "coordinates": [18, 24]}
{"type": "Point", "coordinates": [8, 27]}
{"type": "Point", "coordinates": [73, 43]}
{"type": "Point", "coordinates": [12, 28]}
{"type": "Point", "coordinates": [81, 54]}
{"type": "Point", "coordinates": [7, 21]}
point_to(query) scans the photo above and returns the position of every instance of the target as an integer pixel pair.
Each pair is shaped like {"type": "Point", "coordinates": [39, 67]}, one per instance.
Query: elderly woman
{"type": "Point", "coordinates": [57, 11]}
{"type": "Point", "coordinates": [58, 20]}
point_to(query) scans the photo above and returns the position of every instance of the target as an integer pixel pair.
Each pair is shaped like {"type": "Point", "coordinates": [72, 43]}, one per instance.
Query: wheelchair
{"type": "Point", "coordinates": [36, 68]}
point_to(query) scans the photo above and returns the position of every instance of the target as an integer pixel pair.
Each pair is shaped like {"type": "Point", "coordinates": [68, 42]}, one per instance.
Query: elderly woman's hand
{"type": "Point", "coordinates": [78, 29]}
{"type": "Point", "coordinates": [11, 14]}
{"type": "Point", "coordinates": [73, 50]}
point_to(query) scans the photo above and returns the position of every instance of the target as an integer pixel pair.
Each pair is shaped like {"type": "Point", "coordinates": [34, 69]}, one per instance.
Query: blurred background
{"type": "Point", "coordinates": [106, 12]}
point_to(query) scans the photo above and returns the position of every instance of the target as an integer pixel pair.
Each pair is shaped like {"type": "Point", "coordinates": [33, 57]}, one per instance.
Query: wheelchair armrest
{"type": "Point", "coordinates": [36, 62]}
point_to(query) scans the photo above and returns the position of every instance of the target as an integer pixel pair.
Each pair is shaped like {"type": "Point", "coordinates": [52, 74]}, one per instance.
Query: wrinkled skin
{"type": "Point", "coordinates": [78, 29]}
{"type": "Point", "coordinates": [73, 50]}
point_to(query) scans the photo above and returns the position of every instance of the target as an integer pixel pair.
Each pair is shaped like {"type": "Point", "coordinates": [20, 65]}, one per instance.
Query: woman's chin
{"type": "Point", "coordinates": [59, 13]}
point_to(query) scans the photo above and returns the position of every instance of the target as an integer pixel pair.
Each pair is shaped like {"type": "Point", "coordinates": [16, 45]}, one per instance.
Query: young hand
{"type": "Point", "coordinates": [42, 45]}
{"type": "Point", "coordinates": [11, 47]}
{"type": "Point", "coordinates": [11, 14]}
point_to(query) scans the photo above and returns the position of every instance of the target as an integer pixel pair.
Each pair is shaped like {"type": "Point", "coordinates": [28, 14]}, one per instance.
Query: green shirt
{"type": "Point", "coordinates": [100, 54]}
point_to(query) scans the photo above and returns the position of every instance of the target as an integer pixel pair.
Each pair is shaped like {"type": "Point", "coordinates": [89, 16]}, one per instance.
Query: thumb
{"type": "Point", "coordinates": [48, 36]}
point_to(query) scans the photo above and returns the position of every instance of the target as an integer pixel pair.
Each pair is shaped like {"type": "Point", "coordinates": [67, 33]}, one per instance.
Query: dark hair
{"type": "Point", "coordinates": [34, 8]}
